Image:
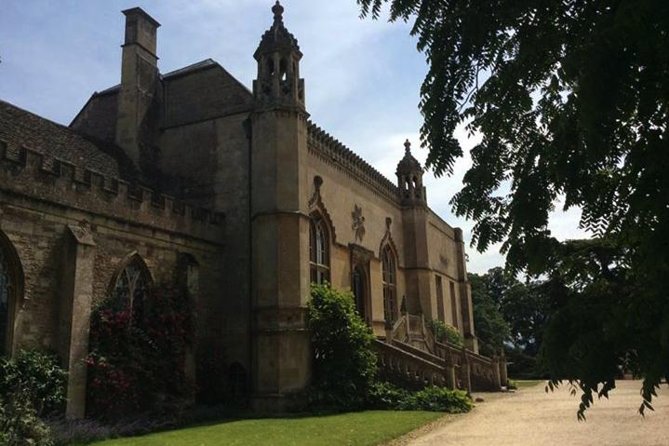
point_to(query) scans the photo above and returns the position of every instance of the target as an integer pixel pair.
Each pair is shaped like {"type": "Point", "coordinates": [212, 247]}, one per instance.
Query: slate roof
{"type": "Point", "coordinates": [206, 63]}
{"type": "Point", "coordinates": [98, 116]}
{"type": "Point", "coordinates": [190, 68]}
{"type": "Point", "coordinates": [21, 128]}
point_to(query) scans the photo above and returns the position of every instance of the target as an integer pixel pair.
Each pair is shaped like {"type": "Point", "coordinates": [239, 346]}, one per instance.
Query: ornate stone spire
{"type": "Point", "coordinates": [277, 37]}
{"type": "Point", "coordinates": [410, 178]}
{"type": "Point", "coordinates": [277, 9]}
{"type": "Point", "coordinates": [278, 56]}
{"type": "Point", "coordinates": [409, 165]}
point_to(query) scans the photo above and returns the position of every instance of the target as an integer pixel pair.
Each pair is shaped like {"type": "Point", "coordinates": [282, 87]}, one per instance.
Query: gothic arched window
{"type": "Point", "coordinates": [11, 282]}
{"type": "Point", "coordinates": [319, 251]}
{"type": "Point", "coordinates": [132, 283]}
{"type": "Point", "coordinates": [389, 285]}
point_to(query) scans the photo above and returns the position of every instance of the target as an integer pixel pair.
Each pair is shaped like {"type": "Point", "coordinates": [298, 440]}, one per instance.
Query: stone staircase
{"type": "Point", "coordinates": [411, 355]}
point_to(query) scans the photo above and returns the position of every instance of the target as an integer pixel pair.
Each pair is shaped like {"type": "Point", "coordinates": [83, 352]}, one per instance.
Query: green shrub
{"type": "Point", "coordinates": [35, 376]}
{"type": "Point", "coordinates": [344, 364]}
{"type": "Point", "coordinates": [384, 395]}
{"type": "Point", "coordinates": [19, 423]}
{"type": "Point", "coordinates": [444, 332]}
{"type": "Point", "coordinates": [438, 399]}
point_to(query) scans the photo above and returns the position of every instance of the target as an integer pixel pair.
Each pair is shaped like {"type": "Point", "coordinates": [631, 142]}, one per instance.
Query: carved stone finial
{"type": "Point", "coordinates": [408, 164]}
{"type": "Point", "coordinates": [277, 9]}
{"type": "Point", "coordinates": [410, 178]}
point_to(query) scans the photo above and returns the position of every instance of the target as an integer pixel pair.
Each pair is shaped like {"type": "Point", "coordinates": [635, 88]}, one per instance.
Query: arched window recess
{"type": "Point", "coordinates": [11, 292]}
{"type": "Point", "coordinates": [319, 249]}
{"type": "Point", "coordinates": [131, 284]}
{"type": "Point", "coordinates": [389, 277]}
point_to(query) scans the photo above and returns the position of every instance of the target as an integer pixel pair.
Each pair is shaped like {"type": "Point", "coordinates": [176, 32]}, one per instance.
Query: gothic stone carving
{"type": "Point", "coordinates": [358, 223]}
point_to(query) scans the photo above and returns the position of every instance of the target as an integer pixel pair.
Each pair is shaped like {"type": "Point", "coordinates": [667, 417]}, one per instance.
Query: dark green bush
{"type": "Point", "coordinates": [438, 399]}
{"type": "Point", "coordinates": [37, 377]}
{"type": "Point", "coordinates": [344, 364]}
{"type": "Point", "coordinates": [385, 395]}
{"type": "Point", "coordinates": [344, 367]}
{"type": "Point", "coordinates": [31, 385]}
{"type": "Point", "coordinates": [19, 423]}
{"type": "Point", "coordinates": [446, 333]}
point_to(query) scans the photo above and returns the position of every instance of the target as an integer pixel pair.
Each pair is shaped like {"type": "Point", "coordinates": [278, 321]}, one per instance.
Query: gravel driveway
{"type": "Point", "coordinates": [533, 417]}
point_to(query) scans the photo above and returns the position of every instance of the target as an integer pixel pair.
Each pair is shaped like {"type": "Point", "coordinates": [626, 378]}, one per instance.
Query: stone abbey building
{"type": "Point", "coordinates": [190, 178]}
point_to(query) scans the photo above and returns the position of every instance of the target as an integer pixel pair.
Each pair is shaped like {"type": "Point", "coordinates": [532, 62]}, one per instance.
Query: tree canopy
{"type": "Point", "coordinates": [571, 98]}
{"type": "Point", "coordinates": [492, 330]}
{"type": "Point", "coordinates": [508, 311]}
{"type": "Point", "coordinates": [510, 316]}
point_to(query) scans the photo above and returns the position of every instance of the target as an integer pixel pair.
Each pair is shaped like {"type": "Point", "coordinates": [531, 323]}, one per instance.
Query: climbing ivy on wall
{"type": "Point", "coordinates": [136, 361]}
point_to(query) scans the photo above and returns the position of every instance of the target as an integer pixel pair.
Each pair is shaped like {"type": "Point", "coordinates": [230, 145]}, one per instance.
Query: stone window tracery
{"type": "Point", "coordinates": [319, 251]}
{"type": "Point", "coordinates": [389, 285]}
{"type": "Point", "coordinates": [132, 284]}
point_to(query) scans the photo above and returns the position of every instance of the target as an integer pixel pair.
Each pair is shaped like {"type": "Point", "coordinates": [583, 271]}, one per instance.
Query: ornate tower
{"type": "Point", "coordinates": [278, 57]}
{"type": "Point", "coordinates": [410, 179]}
{"type": "Point", "coordinates": [414, 215]}
{"type": "Point", "coordinates": [279, 221]}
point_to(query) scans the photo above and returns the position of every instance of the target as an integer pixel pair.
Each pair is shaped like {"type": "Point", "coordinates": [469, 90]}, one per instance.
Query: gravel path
{"type": "Point", "coordinates": [533, 417]}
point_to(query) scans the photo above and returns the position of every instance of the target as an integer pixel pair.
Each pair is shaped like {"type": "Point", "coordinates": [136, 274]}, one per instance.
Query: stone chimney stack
{"type": "Point", "coordinates": [139, 79]}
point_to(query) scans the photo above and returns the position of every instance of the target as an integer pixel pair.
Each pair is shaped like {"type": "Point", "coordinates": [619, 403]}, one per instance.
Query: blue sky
{"type": "Point", "coordinates": [362, 77]}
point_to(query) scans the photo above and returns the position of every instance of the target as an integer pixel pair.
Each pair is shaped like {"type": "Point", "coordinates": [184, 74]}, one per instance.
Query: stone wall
{"type": "Point", "coordinates": [347, 182]}
{"type": "Point", "coordinates": [49, 208]}
{"type": "Point", "coordinates": [205, 94]}
{"type": "Point", "coordinates": [208, 165]}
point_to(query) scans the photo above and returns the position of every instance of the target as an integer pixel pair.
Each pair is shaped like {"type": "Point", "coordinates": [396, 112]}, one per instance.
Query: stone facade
{"type": "Point", "coordinates": [190, 173]}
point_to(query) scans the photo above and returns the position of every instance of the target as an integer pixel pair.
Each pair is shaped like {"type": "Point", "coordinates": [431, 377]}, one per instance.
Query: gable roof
{"type": "Point", "coordinates": [21, 128]}
{"type": "Point", "coordinates": [98, 116]}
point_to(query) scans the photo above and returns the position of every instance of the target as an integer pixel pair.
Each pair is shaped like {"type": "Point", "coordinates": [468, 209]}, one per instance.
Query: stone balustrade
{"type": "Point", "coordinates": [442, 364]}
{"type": "Point", "coordinates": [409, 367]}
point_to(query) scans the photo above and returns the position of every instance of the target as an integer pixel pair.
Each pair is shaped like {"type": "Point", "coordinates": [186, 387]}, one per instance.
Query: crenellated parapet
{"type": "Point", "coordinates": [332, 151]}
{"type": "Point", "coordinates": [30, 173]}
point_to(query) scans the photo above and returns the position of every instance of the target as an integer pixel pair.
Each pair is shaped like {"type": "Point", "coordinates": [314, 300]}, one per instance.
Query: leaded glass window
{"type": "Point", "coordinates": [319, 251]}
{"type": "Point", "coordinates": [132, 285]}
{"type": "Point", "coordinates": [389, 285]}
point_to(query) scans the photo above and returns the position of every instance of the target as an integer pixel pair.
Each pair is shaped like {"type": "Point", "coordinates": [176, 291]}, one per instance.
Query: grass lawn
{"type": "Point", "coordinates": [525, 383]}
{"type": "Point", "coordinates": [357, 428]}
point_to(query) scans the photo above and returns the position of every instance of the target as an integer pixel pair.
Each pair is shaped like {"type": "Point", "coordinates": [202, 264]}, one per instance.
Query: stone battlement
{"type": "Point", "coordinates": [28, 172]}
{"type": "Point", "coordinates": [333, 151]}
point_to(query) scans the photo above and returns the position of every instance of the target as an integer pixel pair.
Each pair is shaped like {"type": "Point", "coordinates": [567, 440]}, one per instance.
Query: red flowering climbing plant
{"type": "Point", "coordinates": [136, 360]}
